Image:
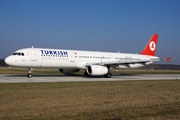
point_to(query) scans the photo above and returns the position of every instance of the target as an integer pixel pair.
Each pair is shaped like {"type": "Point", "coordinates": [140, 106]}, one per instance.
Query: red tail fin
{"type": "Point", "coordinates": [150, 49]}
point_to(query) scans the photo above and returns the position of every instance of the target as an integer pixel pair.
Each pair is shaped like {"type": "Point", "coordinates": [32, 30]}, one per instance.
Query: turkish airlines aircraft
{"type": "Point", "coordinates": [94, 63]}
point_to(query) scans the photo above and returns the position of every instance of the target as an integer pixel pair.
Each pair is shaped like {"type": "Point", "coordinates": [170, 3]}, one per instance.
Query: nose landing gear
{"type": "Point", "coordinates": [29, 75]}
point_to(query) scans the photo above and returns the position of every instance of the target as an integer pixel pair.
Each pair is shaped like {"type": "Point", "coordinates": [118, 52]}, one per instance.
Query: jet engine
{"type": "Point", "coordinates": [97, 70]}
{"type": "Point", "coordinates": [68, 71]}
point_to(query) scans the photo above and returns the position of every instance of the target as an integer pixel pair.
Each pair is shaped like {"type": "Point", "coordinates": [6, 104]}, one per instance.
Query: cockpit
{"type": "Point", "coordinates": [18, 53]}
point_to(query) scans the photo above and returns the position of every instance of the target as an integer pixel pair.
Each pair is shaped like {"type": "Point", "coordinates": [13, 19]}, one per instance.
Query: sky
{"type": "Point", "coordinates": [92, 25]}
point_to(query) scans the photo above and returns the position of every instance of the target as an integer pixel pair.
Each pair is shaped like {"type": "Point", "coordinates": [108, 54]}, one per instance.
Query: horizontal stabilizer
{"type": "Point", "coordinates": [168, 59]}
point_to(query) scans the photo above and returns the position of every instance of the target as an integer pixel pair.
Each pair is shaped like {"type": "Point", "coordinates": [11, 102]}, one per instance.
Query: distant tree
{"type": "Point", "coordinates": [160, 67]}
{"type": "Point", "coordinates": [2, 63]}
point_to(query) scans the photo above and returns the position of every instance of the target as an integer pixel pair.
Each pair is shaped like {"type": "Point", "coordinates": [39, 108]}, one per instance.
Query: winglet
{"type": "Point", "coordinates": [150, 49]}
{"type": "Point", "coordinates": [168, 59]}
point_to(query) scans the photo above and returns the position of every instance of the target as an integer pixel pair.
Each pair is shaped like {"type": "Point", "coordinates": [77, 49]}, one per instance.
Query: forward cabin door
{"type": "Point", "coordinates": [33, 55]}
{"type": "Point", "coordinates": [72, 57]}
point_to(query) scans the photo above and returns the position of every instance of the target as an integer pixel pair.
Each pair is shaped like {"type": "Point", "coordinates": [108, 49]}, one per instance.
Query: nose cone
{"type": "Point", "coordinates": [9, 60]}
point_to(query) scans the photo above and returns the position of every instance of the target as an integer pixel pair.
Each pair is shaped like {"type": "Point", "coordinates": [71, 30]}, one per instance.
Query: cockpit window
{"type": "Point", "coordinates": [19, 54]}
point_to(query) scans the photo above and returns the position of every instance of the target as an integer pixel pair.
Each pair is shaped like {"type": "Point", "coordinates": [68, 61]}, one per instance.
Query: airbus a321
{"type": "Point", "coordinates": [94, 63]}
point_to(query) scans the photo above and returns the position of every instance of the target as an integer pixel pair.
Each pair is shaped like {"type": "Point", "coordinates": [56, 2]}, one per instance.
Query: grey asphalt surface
{"type": "Point", "coordinates": [75, 78]}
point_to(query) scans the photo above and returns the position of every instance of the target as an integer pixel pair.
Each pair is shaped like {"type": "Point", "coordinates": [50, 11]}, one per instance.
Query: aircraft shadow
{"type": "Point", "coordinates": [42, 75]}
{"type": "Point", "coordinates": [127, 75]}
{"type": "Point", "coordinates": [70, 75]}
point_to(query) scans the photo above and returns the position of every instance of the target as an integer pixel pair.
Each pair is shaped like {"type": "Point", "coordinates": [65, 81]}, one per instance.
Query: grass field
{"type": "Point", "coordinates": [115, 100]}
{"type": "Point", "coordinates": [6, 70]}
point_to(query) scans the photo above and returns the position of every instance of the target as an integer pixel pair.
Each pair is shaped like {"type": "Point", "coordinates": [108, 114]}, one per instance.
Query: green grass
{"type": "Point", "coordinates": [113, 100]}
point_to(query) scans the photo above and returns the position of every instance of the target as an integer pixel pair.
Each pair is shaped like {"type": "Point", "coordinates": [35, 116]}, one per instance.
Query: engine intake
{"type": "Point", "coordinates": [97, 70]}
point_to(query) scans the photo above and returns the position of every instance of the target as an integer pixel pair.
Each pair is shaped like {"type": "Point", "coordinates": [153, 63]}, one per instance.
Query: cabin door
{"type": "Point", "coordinates": [72, 57]}
{"type": "Point", "coordinates": [33, 55]}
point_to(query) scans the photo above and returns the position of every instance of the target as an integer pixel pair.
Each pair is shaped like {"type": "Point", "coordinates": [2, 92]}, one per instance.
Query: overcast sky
{"type": "Point", "coordinates": [98, 25]}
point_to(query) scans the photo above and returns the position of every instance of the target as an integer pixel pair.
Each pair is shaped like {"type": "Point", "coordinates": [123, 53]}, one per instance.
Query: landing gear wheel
{"type": "Point", "coordinates": [29, 75]}
{"type": "Point", "coordinates": [108, 75]}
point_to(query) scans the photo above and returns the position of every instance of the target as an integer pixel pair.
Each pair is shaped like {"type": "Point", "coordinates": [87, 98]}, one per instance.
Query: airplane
{"type": "Point", "coordinates": [93, 62]}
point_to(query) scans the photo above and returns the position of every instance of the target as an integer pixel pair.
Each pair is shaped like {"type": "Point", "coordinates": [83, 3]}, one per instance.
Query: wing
{"type": "Point", "coordinates": [124, 62]}
{"type": "Point", "coordinates": [130, 61]}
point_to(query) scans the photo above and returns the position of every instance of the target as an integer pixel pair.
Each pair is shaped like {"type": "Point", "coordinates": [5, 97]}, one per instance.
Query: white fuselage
{"type": "Point", "coordinates": [70, 59]}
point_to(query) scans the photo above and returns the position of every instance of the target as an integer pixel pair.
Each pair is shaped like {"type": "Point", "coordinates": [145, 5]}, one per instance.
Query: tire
{"type": "Point", "coordinates": [108, 75]}
{"type": "Point", "coordinates": [29, 75]}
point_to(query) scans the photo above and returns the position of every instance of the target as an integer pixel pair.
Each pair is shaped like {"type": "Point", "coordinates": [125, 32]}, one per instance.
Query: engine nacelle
{"type": "Point", "coordinates": [97, 70]}
{"type": "Point", "coordinates": [68, 71]}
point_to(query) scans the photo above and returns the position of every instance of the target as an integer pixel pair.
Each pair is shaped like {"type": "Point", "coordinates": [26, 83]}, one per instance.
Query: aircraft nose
{"type": "Point", "coordinates": [8, 60]}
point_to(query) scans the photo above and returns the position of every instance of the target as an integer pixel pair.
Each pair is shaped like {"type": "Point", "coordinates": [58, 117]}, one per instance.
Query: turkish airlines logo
{"type": "Point", "coordinates": [152, 46]}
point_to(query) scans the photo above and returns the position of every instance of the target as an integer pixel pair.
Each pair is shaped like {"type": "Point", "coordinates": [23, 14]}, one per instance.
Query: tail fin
{"type": "Point", "coordinates": [150, 49]}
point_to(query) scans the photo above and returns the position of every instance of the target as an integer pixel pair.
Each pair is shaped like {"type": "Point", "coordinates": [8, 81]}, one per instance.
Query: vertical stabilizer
{"type": "Point", "coordinates": [150, 49]}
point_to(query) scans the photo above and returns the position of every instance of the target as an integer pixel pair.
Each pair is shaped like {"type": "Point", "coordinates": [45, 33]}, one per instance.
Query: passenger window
{"type": "Point", "coordinates": [18, 54]}
{"type": "Point", "coordinates": [22, 54]}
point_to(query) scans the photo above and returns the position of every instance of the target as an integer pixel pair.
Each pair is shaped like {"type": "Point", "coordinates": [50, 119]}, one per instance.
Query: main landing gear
{"type": "Point", "coordinates": [29, 75]}
{"type": "Point", "coordinates": [108, 75]}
